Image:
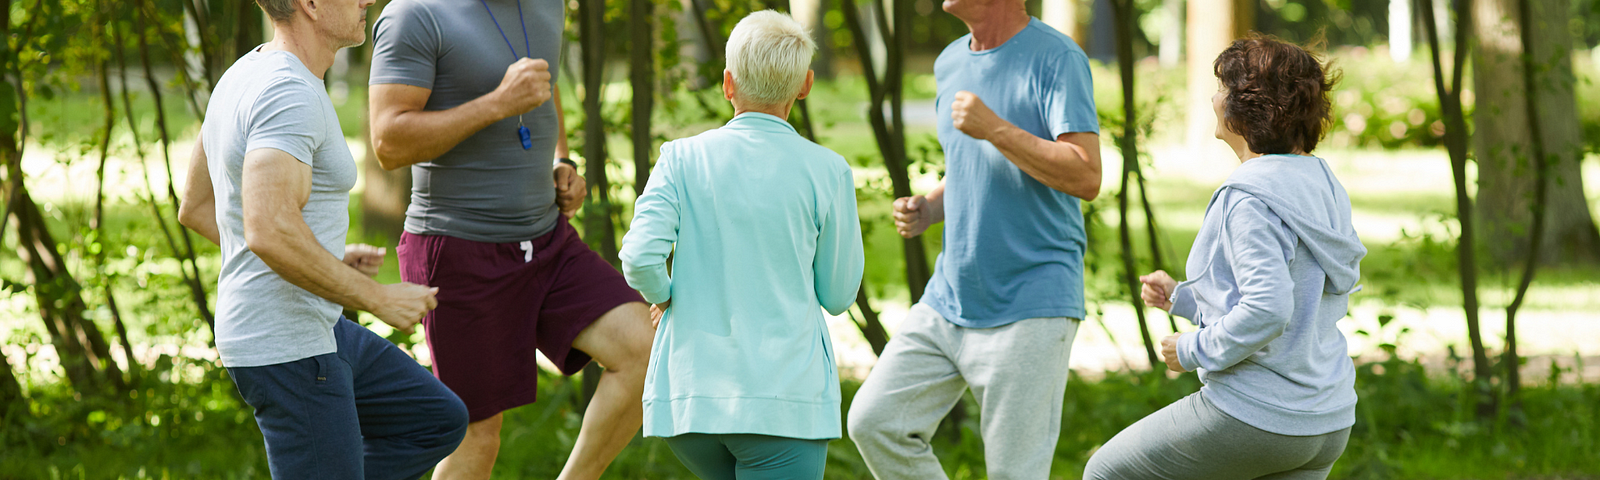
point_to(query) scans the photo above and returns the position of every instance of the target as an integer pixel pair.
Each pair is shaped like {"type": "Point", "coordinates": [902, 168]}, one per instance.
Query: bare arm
{"type": "Point", "coordinates": [274, 188]}
{"type": "Point", "coordinates": [561, 124]}
{"type": "Point", "coordinates": [404, 134]}
{"type": "Point", "coordinates": [1070, 164]}
{"type": "Point", "coordinates": [198, 211]}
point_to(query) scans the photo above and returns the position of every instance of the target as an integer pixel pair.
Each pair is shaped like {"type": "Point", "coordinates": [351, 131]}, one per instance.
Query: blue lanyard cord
{"type": "Point", "coordinates": [525, 45]}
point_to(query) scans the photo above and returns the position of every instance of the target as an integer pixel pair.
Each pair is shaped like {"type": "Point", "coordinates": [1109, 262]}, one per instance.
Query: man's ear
{"type": "Point", "coordinates": [805, 88]}
{"type": "Point", "coordinates": [727, 84]}
{"type": "Point", "coordinates": [310, 9]}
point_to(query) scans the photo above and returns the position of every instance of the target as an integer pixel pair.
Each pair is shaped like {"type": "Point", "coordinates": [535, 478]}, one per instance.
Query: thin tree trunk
{"type": "Point", "coordinates": [12, 403]}
{"type": "Point", "coordinates": [1542, 163]}
{"type": "Point", "coordinates": [1156, 256]}
{"type": "Point", "coordinates": [1456, 143]}
{"type": "Point", "coordinates": [98, 223]}
{"type": "Point", "coordinates": [1122, 12]}
{"type": "Point", "coordinates": [84, 354]}
{"type": "Point", "coordinates": [599, 230]}
{"type": "Point", "coordinates": [641, 73]}
{"type": "Point", "coordinates": [189, 268]}
{"type": "Point", "coordinates": [891, 140]}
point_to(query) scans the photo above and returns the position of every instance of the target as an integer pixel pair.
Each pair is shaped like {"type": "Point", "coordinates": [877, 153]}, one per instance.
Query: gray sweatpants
{"type": "Point", "coordinates": [1192, 440]}
{"type": "Point", "coordinates": [1017, 372]}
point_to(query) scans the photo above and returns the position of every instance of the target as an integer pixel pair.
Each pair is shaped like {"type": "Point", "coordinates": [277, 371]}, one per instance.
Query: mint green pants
{"type": "Point", "coordinates": [749, 456]}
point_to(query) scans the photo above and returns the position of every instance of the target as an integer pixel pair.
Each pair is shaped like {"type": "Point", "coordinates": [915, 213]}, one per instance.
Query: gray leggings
{"type": "Point", "coordinates": [1191, 439]}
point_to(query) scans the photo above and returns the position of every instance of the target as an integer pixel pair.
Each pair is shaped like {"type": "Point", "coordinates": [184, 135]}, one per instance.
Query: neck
{"type": "Point", "coordinates": [1242, 149]}
{"type": "Point", "coordinates": [299, 39]}
{"type": "Point", "coordinates": [781, 111]}
{"type": "Point", "coordinates": [993, 26]}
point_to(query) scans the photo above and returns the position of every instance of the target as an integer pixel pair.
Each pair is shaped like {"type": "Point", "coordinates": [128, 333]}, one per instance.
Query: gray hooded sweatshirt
{"type": "Point", "coordinates": [1270, 274]}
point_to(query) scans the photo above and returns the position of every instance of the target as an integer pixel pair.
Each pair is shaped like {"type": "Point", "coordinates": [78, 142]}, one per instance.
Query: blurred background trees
{"type": "Point", "coordinates": [108, 370]}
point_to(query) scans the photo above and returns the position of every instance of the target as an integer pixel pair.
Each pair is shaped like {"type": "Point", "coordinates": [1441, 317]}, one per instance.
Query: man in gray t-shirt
{"type": "Point", "coordinates": [270, 183]}
{"type": "Point", "coordinates": [460, 93]}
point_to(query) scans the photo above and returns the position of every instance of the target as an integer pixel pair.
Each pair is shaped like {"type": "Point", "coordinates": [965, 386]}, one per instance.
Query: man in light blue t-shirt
{"type": "Point", "coordinates": [1021, 141]}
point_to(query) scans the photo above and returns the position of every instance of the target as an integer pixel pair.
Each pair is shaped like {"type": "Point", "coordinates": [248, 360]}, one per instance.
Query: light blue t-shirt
{"type": "Point", "coordinates": [761, 227]}
{"type": "Point", "coordinates": [1013, 247]}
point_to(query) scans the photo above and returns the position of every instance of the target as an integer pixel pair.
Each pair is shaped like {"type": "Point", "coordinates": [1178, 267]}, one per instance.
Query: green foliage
{"type": "Point", "coordinates": [185, 421]}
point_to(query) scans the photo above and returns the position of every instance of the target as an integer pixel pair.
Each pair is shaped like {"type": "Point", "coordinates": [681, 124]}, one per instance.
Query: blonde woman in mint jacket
{"type": "Point", "coordinates": [762, 231]}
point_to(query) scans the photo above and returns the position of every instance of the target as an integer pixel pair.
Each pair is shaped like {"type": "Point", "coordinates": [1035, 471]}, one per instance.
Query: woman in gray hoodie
{"type": "Point", "coordinates": [1269, 276]}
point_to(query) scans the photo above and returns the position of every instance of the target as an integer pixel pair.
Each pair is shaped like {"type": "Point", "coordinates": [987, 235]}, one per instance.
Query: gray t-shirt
{"type": "Point", "coordinates": [270, 100]}
{"type": "Point", "coordinates": [487, 188]}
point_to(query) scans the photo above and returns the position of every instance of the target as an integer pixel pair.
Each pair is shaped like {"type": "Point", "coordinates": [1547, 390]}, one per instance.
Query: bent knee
{"type": "Point", "coordinates": [865, 422]}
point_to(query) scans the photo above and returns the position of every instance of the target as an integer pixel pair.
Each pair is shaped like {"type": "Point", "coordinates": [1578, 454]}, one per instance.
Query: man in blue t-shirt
{"type": "Point", "coordinates": [1021, 141]}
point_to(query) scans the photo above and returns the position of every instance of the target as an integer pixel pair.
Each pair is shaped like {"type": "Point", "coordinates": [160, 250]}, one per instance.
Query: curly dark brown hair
{"type": "Point", "coordinates": [1276, 94]}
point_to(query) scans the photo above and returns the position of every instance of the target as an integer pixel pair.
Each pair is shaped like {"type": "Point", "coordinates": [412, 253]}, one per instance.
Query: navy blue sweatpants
{"type": "Point", "coordinates": [365, 412]}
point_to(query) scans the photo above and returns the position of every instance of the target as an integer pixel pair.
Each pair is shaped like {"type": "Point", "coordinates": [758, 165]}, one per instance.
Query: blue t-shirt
{"type": "Point", "coordinates": [1013, 247]}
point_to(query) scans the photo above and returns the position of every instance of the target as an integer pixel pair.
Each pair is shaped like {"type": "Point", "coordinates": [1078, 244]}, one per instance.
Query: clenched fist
{"type": "Point", "coordinates": [570, 189]}
{"type": "Point", "coordinates": [1157, 291]}
{"type": "Point", "coordinates": [366, 259]}
{"type": "Point", "coordinates": [525, 87]}
{"type": "Point", "coordinates": [1169, 352]}
{"type": "Point", "coordinates": [973, 118]}
{"type": "Point", "coordinates": [402, 305]}
{"type": "Point", "coordinates": [911, 215]}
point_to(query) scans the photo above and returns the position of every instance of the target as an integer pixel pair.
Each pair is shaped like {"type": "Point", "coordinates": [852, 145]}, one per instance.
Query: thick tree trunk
{"type": "Point", "coordinates": [385, 193]}
{"type": "Point", "coordinates": [247, 30]}
{"type": "Point", "coordinates": [1506, 173]}
{"type": "Point", "coordinates": [1213, 25]}
{"type": "Point", "coordinates": [1066, 16]}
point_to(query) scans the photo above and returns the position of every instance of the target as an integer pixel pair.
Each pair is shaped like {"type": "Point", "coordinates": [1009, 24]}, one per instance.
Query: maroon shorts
{"type": "Point", "coordinates": [497, 301]}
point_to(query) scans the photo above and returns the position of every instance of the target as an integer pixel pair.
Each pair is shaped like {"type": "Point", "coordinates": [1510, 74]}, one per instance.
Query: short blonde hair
{"type": "Point", "coordinates": [769, 54]}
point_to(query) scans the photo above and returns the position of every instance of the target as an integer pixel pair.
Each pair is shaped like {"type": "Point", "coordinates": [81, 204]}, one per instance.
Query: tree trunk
{"type": "Point", "coordinates": [1506, 172]}
{"type": "Point", "coordinates": [599, 231]}
{"type": "Point", "coordinates": [247, 32]}
{"type": "Point", "coordinates": [1212, 26]}
{"type": "Point", "coordinates": [385, 193]}
{"type": "Point", "coordinates": [1125, 17]}
{"type": "Point", "coordinates": [1064, 16]}
{"type": "Point", "coordinates": [11, 398]}
{"type": "Point", "coordinates": [1456, 143]}
{"type": "Point", "coordinates": [888, 131]}
{"type": "Point", "coordinates": [641, 74]}
{"type": "Point", "coordinates": [83, 351]}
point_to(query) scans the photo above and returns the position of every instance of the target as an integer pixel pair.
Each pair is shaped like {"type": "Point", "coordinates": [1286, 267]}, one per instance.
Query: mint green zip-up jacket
{"type": "Point", "coordinates": [761, 227]}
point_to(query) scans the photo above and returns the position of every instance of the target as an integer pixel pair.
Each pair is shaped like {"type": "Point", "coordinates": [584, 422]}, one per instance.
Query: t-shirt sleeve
{"type": "Point", "coordinates": [287, 116]}
{"type": "Point", "coordinates": [405, 45]}
{"type": "Point", "coordinates": [1069, 95]}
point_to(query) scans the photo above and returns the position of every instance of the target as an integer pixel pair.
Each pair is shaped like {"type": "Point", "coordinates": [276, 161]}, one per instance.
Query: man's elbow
{"type": "Point", "coordinates": [264, 241]}
{"type": "Point", "coordinates": [1090, 192]}
{"type": "Point", "coordinates": [389, 157]}
{"type": "Point", "coordinates": [186, 215]}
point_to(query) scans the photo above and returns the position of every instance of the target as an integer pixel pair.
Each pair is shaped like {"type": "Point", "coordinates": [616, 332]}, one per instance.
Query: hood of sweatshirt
{"type": "Point", "coordinates": [1304, 193]}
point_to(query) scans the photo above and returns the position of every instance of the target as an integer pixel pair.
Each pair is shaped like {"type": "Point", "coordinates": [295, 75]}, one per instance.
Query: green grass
{"type": "Point", "coordinates": [1409, 425]}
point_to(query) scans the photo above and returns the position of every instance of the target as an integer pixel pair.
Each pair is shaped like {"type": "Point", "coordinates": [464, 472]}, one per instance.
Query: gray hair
{"type": "Point", "coordinates": [769, 54]}
{"type": "Point", "coordinates": [278, 10]}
